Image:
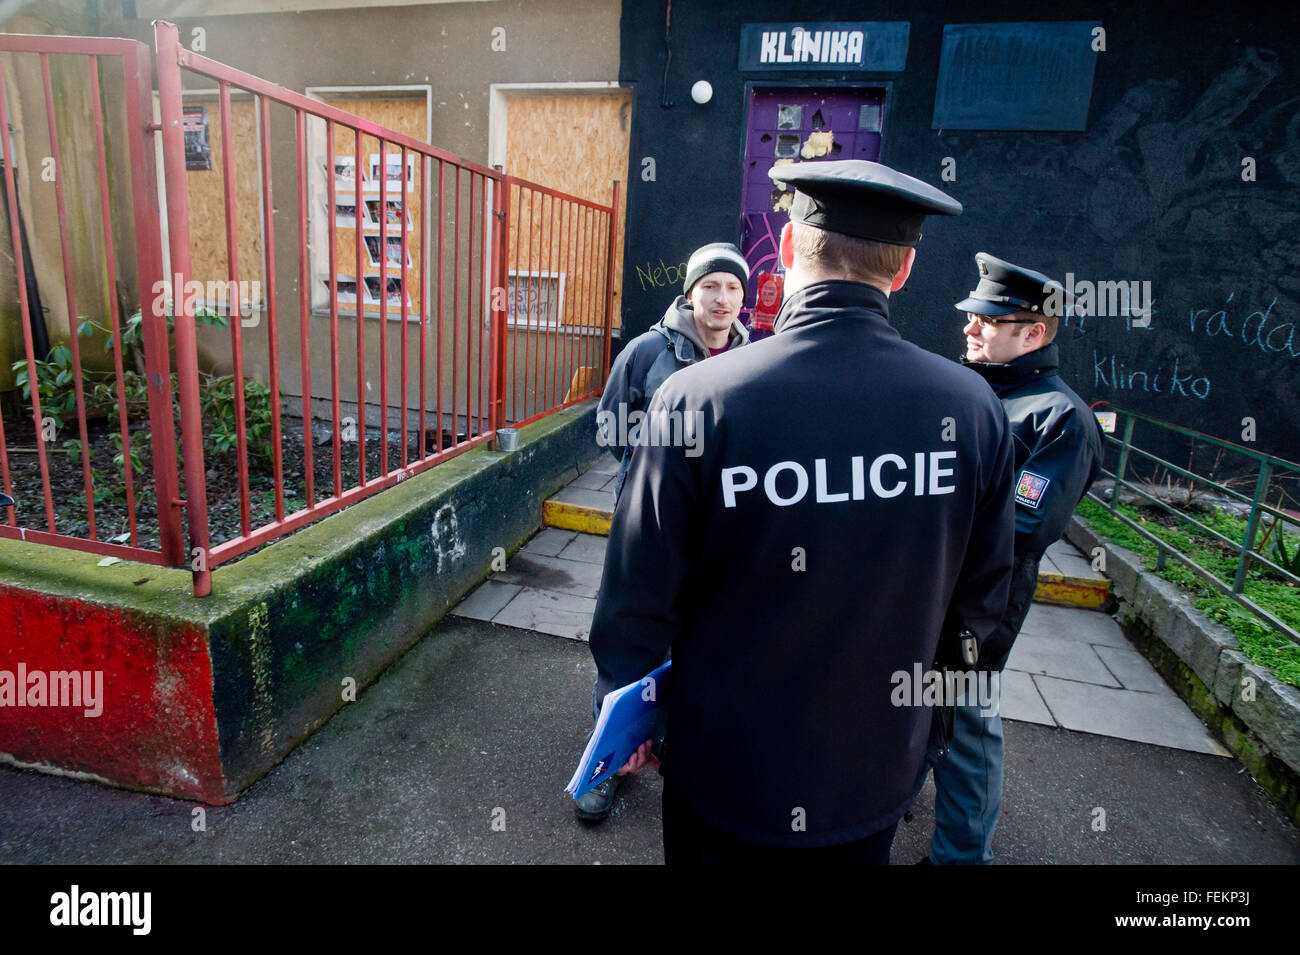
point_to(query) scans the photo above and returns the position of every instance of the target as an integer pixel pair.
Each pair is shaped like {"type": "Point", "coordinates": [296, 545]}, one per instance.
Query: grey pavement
{"type": "Point", "coordinates": [481, 722]}
{"type": "Point", "coordinates": [476, 724]}
{"type": "Point", "coordinates": [1070, 668]}
{"type": "Point", "coordinates": [460, 752]}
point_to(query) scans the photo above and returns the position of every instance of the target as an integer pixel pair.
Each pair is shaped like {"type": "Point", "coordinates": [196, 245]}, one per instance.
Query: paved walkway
{"type": "Point", "coordinates": [1070, 668]}
{"type": "Point", "coordinates": [460, 752]}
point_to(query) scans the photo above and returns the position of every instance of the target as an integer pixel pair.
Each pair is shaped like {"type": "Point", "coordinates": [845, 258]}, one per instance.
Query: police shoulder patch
{"type": "Point", "coordinates": [1030, 489]}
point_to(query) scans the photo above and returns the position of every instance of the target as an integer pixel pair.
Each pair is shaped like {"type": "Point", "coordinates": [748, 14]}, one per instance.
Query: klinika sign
{"type": "Point", "coordinates": [826, 46]}
{"type": "Point", "coordinates": [823, 46]}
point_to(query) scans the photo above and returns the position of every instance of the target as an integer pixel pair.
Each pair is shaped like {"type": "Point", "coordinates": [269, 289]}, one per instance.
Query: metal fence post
{"type": "Point", "coordinates": [609, 284]}
{"type": "Point", "coordinates": [153, 312]}
{"type": "Point", "coordinates": [1252, 525]}
{"type": "Point", "coordinates": [1123, 461]}
{"type": "Point", "coordinates": [500, 250]}
{"type": "Point", "coordinates": [187, 367]}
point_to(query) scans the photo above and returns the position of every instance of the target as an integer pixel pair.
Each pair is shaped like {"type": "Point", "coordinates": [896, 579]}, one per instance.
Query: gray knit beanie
{"type": "Point", "coordinates": [716, 257]}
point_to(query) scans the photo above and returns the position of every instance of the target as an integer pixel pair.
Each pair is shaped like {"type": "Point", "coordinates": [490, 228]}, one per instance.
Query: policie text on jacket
{"type": "Point", "coordinates": [887, 475]}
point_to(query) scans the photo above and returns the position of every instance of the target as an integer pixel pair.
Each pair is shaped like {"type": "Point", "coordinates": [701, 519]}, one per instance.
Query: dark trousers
{"type": "Point", "coordinates": [690, 840]}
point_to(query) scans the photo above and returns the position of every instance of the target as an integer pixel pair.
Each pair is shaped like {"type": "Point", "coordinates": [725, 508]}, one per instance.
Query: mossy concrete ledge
{"type": "Point", "coordinates": [1256, 715]}
{"type": "Point", "coordinates": [201, 697]}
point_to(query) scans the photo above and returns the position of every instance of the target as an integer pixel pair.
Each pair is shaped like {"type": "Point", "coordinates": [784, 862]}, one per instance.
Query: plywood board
{"type": "Point", "coordinates": [209, 260]}
{"type": "Point", "coordinates": [579, 145]}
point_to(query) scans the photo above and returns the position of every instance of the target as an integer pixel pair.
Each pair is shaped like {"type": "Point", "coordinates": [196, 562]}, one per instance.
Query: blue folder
{"type": "Point", "coordinates": [629, 716]}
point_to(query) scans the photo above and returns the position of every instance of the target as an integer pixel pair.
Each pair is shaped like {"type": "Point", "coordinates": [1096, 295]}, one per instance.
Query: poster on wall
{"type": "Point", "coordinates": [394, 251]}
{"type": "Point", "coordinates": [393, 170]}
{"type": "Point", "coordinates": [534, 299]}
{"type": "Point", "coordinates": [198, 151]}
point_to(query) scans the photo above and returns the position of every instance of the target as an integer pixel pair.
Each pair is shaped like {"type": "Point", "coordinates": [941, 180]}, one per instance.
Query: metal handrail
{"type": "Point", "coordinates": [1269, 467]}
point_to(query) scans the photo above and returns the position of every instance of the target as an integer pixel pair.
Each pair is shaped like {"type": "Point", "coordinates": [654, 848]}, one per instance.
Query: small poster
{"type": "Point", "coordinates": [393, 170]}
{"type": "Point", "coordinates": [394, 251]}
{"type": "Point", "coordinates": [394, 208]}
{"type": "Point", "coordinates": [198, 151]}
{"type": "Point", "coordinates": [768, 301]}
{"type": "Point", "coordinates": [393, 286]}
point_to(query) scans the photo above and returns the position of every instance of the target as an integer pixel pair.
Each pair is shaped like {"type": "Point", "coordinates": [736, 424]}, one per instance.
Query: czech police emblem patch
{"type": "Point", "coordinates": [1029, 491]}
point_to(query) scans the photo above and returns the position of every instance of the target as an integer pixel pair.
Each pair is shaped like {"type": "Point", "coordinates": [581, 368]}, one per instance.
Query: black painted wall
{"type": "Point", "coordinates": [1151, 191]}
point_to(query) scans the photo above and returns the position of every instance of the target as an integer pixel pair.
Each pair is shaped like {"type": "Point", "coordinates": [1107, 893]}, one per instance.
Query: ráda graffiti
{"type": "Point", "coordinates": [1259, 327]}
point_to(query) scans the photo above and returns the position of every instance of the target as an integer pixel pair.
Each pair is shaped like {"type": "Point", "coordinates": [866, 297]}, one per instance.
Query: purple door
{"type": "Point", "coordinates": [797, 124]}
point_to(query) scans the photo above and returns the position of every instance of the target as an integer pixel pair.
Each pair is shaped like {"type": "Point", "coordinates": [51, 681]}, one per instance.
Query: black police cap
{"type": "Point", "coordinates": [1005, 288]}
{"type": "Point", "coordinates": [863, 199]}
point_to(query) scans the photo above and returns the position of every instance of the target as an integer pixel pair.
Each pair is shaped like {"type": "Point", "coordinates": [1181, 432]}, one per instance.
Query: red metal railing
{"type": "Point", "coordinates": [131, 61]}
{"type": "Point", "coordinates": [566, 245]}
{"type": "Point", "coordinates": [513, 313]}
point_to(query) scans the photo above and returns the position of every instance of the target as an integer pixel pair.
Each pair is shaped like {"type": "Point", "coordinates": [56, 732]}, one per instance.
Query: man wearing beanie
{"type": "Point", "coordinates": [701, 322]}
{"type": "Point", "coordinates": [845, 524]}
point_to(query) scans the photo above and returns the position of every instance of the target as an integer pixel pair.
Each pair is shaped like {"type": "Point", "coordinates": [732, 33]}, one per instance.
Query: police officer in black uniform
{"type": "Point", "coordinates": [847, 513]}
{"type": "Point", "coordinates": [1013, 316]}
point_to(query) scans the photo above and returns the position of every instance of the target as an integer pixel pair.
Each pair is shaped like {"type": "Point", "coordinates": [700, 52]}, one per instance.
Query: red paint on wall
{"type": "Point", "coordinates": [158, 727]}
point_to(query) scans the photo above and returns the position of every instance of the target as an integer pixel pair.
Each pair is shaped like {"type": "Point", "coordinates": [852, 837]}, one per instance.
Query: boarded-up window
{"type": "Point", "coordinates": [579, 145]}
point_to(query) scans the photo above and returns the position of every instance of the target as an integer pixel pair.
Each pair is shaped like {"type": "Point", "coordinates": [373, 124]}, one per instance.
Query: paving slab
{"type": "Point", "coordinates": [561, 615]}
{"type": "Point", "coordinates": [588, 547]}
{"type": "Point", "coordinates": [1021, 700]}
{"type": "Point", "coordinates": [1133, 670]}
{"type": "Point", "coordinates": [585, 497]}
{"type": "Point", "coordinates": [1076, 566]}
{"type": "Point", "coordinates": [1062, 548]}
{"type": "Point", "coordinates": [578, 577]}
{"type": "Point", "coordinates": [1088, 626]}
{"type": "Point", "coordinates": [1161, 719]}
{"type": "Point", "coordinates": [590, 479]}
{"type": "Point", "coordinates": [487, 600]}
{"type": "Point", "coordinates": [549, 541]}
{"type": "Point", "coordinates": [605, 464]}
{"type": "Point", "coordinates": [1066, 657]}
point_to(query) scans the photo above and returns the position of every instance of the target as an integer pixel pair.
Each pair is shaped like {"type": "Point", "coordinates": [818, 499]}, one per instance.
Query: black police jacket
{"type": "Point", "coordinates": [1058, 450]}
{"type": "Point", "coordinates": [848, 502]}
{"type": "Point", "coordinates": [1058, 454]}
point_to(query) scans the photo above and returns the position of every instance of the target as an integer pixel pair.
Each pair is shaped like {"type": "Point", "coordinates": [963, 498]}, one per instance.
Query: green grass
{"type": "Point", "coordinates": [1260, 643]}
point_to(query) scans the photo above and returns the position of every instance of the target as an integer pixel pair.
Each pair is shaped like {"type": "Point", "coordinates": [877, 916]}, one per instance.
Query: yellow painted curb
{"type": "Point", "coordinates": [1063, 591]}
{"type": "Point", "coordinates": [576, 517]}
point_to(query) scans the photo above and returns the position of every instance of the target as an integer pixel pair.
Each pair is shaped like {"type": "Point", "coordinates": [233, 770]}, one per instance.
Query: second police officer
{"type": "Point", "coordinates": [1012, 322]}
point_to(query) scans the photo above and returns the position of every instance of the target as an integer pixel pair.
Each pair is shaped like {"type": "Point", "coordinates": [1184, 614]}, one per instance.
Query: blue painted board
{"type": "Point", "coordinates": [1015, 76]}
